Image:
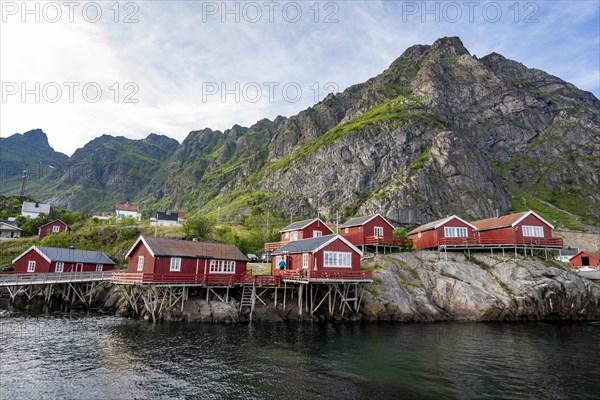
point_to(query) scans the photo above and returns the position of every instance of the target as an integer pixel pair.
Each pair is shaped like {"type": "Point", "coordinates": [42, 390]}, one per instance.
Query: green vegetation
{"type": "Point", "coordinates": [451, 276]}
{"type": "Point", "coordinates": [197, 227]}
{"type": "Point", "coordinates": [451, 60]}
{"type": "Point", "coordinates": [420, 161]}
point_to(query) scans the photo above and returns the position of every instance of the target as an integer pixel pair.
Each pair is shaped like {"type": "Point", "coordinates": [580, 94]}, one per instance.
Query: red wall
{"type": "Point", "coordinates": [357, 234]}
{"type": "Point", "coordinates": [510, 235]}
{"type": "Point", "coordinates": [294, 261]}
{"type": "Point", "coordinates": [308, 231]}
{"type": "Point", "coordinates": [576, 261]}
{"type": "Point", "coordinates": [162, 265]}
{"type": "Point", "coordinates": [43, 266]}
{"type": "Point", "coordinates": [46, 230]}
{"type": "Point", "coordinates": [429, 239]}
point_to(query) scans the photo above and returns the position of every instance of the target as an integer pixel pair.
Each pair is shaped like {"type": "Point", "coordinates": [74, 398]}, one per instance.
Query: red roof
{"type": "Point", "coordinates": [127, 207]}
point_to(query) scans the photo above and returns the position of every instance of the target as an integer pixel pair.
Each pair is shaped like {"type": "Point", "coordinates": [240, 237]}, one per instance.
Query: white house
{"type": "Point", "coordinates": [32, 210]}
{"type": "Point", "coordinates": [9, 230]}
{"type": "Point", "coordinates": [128, 210]}
{"type": "Point", "coordinates": [565, 255]}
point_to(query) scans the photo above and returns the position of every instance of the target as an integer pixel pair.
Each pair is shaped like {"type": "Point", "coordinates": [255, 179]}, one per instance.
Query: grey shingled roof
{"type": "Point", "coordinates": [35, 207]}
{"type": "Point", "coordinates": [304, 245]}
{"type": "Point", "coordinates": [167, 216]}
{"type": "Point", "coordinates": [187, 248]}
{"type": "Point", "coordinates": [357, 221]}
{"type": "Point", "coordinates": [298, 225]}
{"type": "Point", "coordinates": [569, 251]}
{"type": "Point", "coordinates": [75, 256]}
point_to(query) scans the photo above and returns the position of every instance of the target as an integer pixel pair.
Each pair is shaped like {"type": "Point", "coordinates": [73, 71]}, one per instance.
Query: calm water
{"type": "Point", "coordinates": [88, 356]}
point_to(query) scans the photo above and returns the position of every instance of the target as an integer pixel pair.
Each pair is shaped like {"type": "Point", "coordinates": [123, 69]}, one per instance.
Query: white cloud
{"type": "Point", "coordinates": [173, 51]}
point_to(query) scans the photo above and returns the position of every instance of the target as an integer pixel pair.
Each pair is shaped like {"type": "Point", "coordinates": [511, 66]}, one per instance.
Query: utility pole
{"type": "Point", "coordinates": [23, 181]}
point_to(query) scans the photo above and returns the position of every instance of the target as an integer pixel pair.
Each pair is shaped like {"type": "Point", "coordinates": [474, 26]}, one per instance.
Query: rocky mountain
{"type": "Point", "coordinates": [108, 170]}
{"type": "Point", "coordinates": [28, 151]}
{"type": "Point", "coordinates": [439, 132]}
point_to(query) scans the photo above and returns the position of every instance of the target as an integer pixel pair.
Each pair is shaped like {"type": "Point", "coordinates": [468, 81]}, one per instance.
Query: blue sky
{"type": "Point", "coordinates": [172, 67]}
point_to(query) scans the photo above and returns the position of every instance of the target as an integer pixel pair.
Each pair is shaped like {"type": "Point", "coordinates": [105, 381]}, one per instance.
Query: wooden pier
{"type": "Point", "coordinates": [70, 286]}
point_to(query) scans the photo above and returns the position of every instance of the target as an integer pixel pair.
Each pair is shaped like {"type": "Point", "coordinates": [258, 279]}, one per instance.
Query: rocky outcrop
{"type": "Point", "coordinates": [428, 286]}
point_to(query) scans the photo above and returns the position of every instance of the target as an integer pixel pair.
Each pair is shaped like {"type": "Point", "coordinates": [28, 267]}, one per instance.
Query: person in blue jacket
{"type": "Point", "coordinates": [282, 264]}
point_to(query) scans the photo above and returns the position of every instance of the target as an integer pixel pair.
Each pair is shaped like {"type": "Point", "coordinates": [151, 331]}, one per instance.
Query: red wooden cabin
{"type": "Point", "coordinates": [56, 226]}
{"type": "Point", "coordinates": [371, 229]}
{"type": "Point", "coordinates": [324, 256]}
{"type": "Point", "coordinates": [524, 228]}
{"type": "Point", "coordinates": [446, 231]}
{"type": "Point", "coordinates": [52, 259]}
{"type": "Point", "coordinates": [300, 230]}
{"type": "Point", "coordinates": [585, 259]}
{"type": "Point", "coordinates": [163, 259]}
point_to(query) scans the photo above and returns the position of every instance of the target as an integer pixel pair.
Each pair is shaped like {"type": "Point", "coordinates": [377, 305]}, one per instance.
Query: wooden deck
{"type": "Point", "coordinates": [501, 242]}
{"type": "Point", "coordinates": [12, 279]}
{"type": "Point", "coordinates": [272, 246]}
{"type": "Point", "coordinates": [195, 280]}
{"type": "Point", "coordinates": [378, 240]}
{"type": "Point", "coordinates": [308, 276]}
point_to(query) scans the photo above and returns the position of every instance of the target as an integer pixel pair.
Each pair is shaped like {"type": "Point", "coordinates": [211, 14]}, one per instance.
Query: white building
{"type": "Point", "coordinates": [32, 210]}
{"type": "Point", "coordinates": [565, 255]}
{"type": "Point", "coordinates": [9, 230]}
{"type": "Point", "coordinates": [128, 210]}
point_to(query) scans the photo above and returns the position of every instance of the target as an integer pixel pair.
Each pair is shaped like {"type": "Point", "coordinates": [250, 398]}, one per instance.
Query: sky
{"type": "Point", "coordinates": [79, 69]}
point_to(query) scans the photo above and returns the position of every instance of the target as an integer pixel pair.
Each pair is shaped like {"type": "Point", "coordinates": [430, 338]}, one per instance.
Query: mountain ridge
{"type": "Point", "coordinates": [438, 132]}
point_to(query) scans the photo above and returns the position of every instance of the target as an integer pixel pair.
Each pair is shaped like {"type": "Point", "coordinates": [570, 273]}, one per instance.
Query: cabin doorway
{"type": "Point", "coordinates": [585, 261]}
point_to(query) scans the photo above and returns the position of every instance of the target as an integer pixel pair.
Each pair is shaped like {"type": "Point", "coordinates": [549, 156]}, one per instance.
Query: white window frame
{"type": "Point", "coordinates": [346, 230]}
{"type": "Point", "coordinates": [378, 229]}
{"type": "Point", "coordinates": [222, 267]}
{"type": "Point", "coordinates": [175, 265]}
{"type": "Point", "coordinates": [456, 231]}
{"type": "Point", "coordinates": [419, 234]}
{"type": "Point", "coordinates": [79, 267]}
{"type": "Point", "coordinates": [533, 231]}
{"type": "Point", "coordinates": [55, 229]}
{"type": "Point", "coordinates": [60, 267]}
{"type": "Point", "coordinates": [31, 266]}
{"type": "Point", "coordinates": [317, 234]}
{"type": "Point", "coordinates": [140, 265]}
{"type": "Point", "coordinates": [337, 259]}
{"type": "Point", "coordinates": [293, 236]}
{"type": "Point", "coordinates": [99, 267]}
{"type": "Point", "coordinates": [305, 260]}
{"type": "Point", "coordinates": [286, 235]}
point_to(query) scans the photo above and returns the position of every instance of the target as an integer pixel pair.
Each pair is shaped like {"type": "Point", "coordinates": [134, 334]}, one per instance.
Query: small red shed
{"type": "Point", "coordinates": [451, 230]}
{"type": "Point", "coordinates": [330, 253]}
{"type": "Point", "coordinates": [52, 259]}
{"type": "Point", "coordinates": [585, 259]}
{"type": "Point", "coordinates": [56, 226]}
{"type": "Point", "coordinates": [523, 228]}
{"type": "Point", "coordinates": [174, 257]}
{"type": "Point", "coordinates": [368, 229]}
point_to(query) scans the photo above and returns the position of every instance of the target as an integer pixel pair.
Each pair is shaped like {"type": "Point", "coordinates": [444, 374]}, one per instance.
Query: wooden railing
{"type": "Point", "coordinates": [11, 278]}
{"type": "Point", "coordinates": [200, 279]}
{"type": "Point", "coordinates": [530, 241]}
{"type": "Point", "coordinates": [380, 240]}
{"type": "Point", "coordinates": [324, 275]}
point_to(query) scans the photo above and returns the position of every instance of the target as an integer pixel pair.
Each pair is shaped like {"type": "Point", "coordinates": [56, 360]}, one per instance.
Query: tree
{"type": "Point", "coordinates": [197, 227]}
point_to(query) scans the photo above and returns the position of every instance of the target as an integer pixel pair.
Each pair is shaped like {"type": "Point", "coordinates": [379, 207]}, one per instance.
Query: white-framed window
{"type": "Point", "coordinates": [56, 229]}
{"type": "Point", "coordinates": [346, 230]}
{"type": "Point", "coordinates": [222, 266]}
{"type": "Point", "coordinates": [305, 260]}
{"type": "Point", "coordinates": [175, 264]}
{"type": "Point", "coordinates": [60, 267]}
{"type": "Point", "coordinates": [99, 267]}
{"type": "Point", "coordinates": [31, 266]}
{"type": "Point", "coordinates": [317, 233]}
{"type": "Point", "coordinates": [140, 266]}
{"type": "Point", "coordinates": [79, 267]}
{"type": "Point", "coordinates": [286, 235]}
{"type": "Point", "coordinates": [419, 234]}
{"type": "Point", "coordinates": [378, 231]}
{"type": "Point", "coordinates": [294, 236]}
{"type": "Point", "coordinates": [337, 259]}
{"type": "Point", "coordinates": [533, 231]}
{"type": "Point", "coordinates": [455, 231]}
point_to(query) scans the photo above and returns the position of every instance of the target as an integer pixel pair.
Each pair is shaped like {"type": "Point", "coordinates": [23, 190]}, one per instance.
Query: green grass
{"type": "Point", "coordinates": [451, 60]}
{"type": "Point", "coordinates": [420, 161]}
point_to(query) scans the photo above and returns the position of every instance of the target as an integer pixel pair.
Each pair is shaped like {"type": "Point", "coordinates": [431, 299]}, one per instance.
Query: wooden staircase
{"type": "Point", "coordinates": [248, 298]}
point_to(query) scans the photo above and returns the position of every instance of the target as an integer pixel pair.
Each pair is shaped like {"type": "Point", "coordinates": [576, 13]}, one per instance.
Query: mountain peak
{"type": "Point", "coordinates": [37, 135]}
